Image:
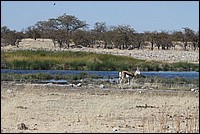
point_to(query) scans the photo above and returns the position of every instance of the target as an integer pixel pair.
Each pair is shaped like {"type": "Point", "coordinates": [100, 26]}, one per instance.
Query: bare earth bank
{"type": "Point", "coordinates": [31, 108]}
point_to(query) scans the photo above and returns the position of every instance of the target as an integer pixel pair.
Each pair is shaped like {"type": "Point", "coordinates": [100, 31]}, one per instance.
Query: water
{"type": "Point", "coordinates": [172, 74]}
{"type": "Point", "coordinates": [107, 74]}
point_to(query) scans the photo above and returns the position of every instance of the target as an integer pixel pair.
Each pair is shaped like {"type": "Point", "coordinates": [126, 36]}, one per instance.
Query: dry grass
{"type": "Point", "coordinates": [63, 109]}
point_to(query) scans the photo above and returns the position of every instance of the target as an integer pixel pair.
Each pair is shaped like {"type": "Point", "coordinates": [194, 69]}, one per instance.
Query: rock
{"type": "Point", "coordinates": [102, 86]}
{"type": "Point", "coordinates": [150, 88]}
{"type": "Point", "coordinates": [22, 126]}
{"type": "Point", "coordinates": [72, 85]}
{"type": "Point", "coordinates": [194, 90]}
{"type": "Point", "coordinates": [79, 84]}
{"type": "Point", "coordinates": [115, 129]}
{"type": "Point", "coordinates": [9, 91]}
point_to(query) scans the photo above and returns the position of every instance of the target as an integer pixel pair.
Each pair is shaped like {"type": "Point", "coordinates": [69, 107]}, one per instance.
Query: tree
{"type": "Point", "coordinates": [150, 37]}
{"type": "Point", "coordinates": [100, 27]}
{"type": "Point", "coordinates": [4, 30]}
{"type": "Point", "coordinates": [50, 29]}
{"type": "Point", "coordinates": [195, 40]}
{"type": "Point", "coordinates": [82, 37]}
{"type": "Point", "coordinates": [188, 35]}
{"type": "Point", "coordinates": [70, 23]}
{"type": "Point", "coordinates": [163, 40]}
{"type": "Point", "coordinates": [60, 29]}
{"type": "Point", "coordinates": [99, 34]}
{"type": "Point", "coordinates": [138, 40]}
{"type": "Point", "coordinates": [61, 37]}
{"type": "Point", "coordinates": [177, 36]}
{"type": "Point", "coordinates": [122, 34]}
{"type": "Point", "coordinates": [32, 32]}
{"type": "Point", "coordinates": [109, 39]}
{"type": "Point", "coordinates": [10, 37]}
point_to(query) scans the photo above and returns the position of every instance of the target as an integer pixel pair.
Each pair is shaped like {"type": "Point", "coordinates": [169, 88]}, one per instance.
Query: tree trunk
{"type": "Point", "coordinates": [185, 45]}
{"type": "Point", "coordinates": [152, 45]}
{"type": "Point", "coordinates": [54, 42]}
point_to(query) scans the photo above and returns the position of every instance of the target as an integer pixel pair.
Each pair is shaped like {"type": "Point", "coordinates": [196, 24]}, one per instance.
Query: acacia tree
{"type": "Point", "coordinates": [150, 37]}
{"type": "Point", "coordinates": [83, 38]}
{"type": "Point", "coordinates": [32, 32]}
{"type": "Point", "coordinates": [138, 40]}
{"type": "Point", "coordinates": [188, 35]}
{"type": "Point", "coordinates": [163, 40]}
{"type": "Point", "coordinates": [49, 29]}
{"type": "Point", "coordinates": [122, 36]}
{"type": "Point", "coordinates": [109, 39]}
{"type": "Point", "coordinates": [196, 40]}
{"type": "Point", "coordinates": [166, 39]}
{"type": "Point", "coordinates": [177, 36]}
{"type": "Point", "coordinates": [69, 24]}
{"type": "Point", "coordinates": [4, 31]}
{"type": "Point", "coordinates": [99, 31]}
{"type": "Point", "coordinates": [45, 27]}
{"type": "Point", "coordinates": [11, 37]}
{"type": "Point", "coordinates": [100, 27]}
{"type": "Point", "coordinates": [60, 29]}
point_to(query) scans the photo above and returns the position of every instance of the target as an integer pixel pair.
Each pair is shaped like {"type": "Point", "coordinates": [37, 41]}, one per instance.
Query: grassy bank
{"type": "Point", "coordinates": [44, 76]}
{"type": "Point", "coordinates": [45, 60]}
{"type": "Point", "coordinates": [155, 82]}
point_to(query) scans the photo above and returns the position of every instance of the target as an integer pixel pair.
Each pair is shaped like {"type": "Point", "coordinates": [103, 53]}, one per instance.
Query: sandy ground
{"type": "Point", "coordinates": [34, 108]}
{"type": "Point", "coordinates": [168, 56]}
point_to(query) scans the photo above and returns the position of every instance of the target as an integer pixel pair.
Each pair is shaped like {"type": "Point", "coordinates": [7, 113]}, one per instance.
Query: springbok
{"type": "Point", "coordinates": [126, 74]}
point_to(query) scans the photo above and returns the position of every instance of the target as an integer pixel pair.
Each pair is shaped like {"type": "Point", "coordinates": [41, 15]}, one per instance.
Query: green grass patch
{"type": "Point", "coordinates": [67, 60]}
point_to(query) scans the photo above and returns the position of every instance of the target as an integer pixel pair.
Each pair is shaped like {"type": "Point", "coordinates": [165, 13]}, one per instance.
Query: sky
{"type": "Point", "coordinates": [140, 15]}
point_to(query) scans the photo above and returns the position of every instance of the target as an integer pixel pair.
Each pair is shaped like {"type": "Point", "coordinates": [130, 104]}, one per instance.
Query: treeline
{"type": "Point", "coordinates": [68, 29]}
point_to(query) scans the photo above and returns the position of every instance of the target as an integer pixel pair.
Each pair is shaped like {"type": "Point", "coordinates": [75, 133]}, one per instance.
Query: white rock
{"type": "Point", "coordinates": [79, 84]}
{"type": "Point", "coordinates": [9, 91]}
{"type": "Point", "coordinates": [102, 86]}
{"type": "Point", "coordinates": [115, 129]}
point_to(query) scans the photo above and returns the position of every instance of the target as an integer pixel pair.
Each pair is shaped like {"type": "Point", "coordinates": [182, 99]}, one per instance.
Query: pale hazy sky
{"type": "Point", "coordinates": [140, 15]}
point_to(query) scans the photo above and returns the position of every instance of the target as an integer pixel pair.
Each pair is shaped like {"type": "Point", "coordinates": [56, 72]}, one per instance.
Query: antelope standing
{"type": "Point", "coordinates": [126, 74]}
